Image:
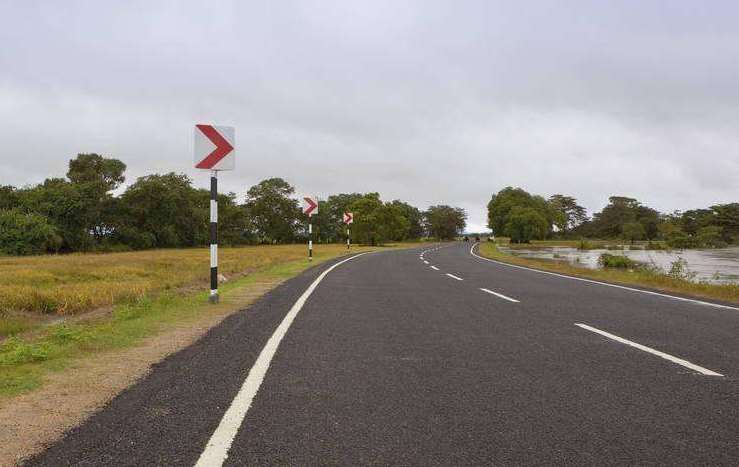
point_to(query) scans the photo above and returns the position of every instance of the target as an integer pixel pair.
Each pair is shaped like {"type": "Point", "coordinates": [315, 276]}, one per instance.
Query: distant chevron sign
{"type": "Point", "coordinates": [310, 206]}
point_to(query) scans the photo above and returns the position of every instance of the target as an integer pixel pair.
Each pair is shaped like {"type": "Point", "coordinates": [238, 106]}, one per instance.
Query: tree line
{"type": "Point", "coordinates": [522, 216]}
{"type": "Point", "coordinates": [81, 213]}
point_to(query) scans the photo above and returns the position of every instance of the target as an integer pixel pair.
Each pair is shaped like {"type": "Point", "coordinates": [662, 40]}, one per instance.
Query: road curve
{"type": "Point", "coordinates": [433, 356]}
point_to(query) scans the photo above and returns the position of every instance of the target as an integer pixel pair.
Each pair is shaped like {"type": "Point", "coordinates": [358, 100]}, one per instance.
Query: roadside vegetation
{"type": "Point", "coordinates": [160, 289]}
{"type": "Point", "coordinates": [581, 244]}
{"type": "Point", "coordinates": [81, 213]}
{"type": "Point", "coordinates": [677, 280]}
{"type": "Point", "coordinates": [57, 285]}
{"type": "Point", "coordinates": [525, 217]}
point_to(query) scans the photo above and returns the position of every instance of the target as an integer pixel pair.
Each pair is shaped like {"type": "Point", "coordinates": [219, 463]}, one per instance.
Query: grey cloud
{"type": "Point", "coordinates": [426, 101]}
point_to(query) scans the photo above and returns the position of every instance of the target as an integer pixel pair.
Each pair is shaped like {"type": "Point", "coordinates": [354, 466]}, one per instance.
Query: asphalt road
{"type": "Point", "coordinates": [401, 358]}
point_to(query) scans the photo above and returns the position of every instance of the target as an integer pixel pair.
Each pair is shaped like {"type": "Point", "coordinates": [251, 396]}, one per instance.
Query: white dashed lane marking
{"type": "Point", "coordinates": [500, 295]}
{"type": "Point", "coordinates": [679, 361]}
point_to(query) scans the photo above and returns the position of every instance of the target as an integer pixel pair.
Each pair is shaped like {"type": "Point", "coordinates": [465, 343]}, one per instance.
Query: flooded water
{"type": "Point", "coordinates": [717, 266]}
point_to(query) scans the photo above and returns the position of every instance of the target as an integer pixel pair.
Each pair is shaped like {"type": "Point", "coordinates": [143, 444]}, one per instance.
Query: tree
{"type": "Point", "coordinates": [668, 224]}
{"type": "Point", "coordinates": [525, 224]}
{"type": "Point", "coordinates": [610, 221]}
{"type": "Point", "coordinates": [375, 222]}
{"type": "Point", "coordinates": [649, 219]}
{"type": "Point", "coordinates": [633, 231]}
{"type": "Point", "coordinates": [710, 237]}
{"type": "Point", "coordinates": [502, 204]}
{"type": "Point", "coordinates": [273, 213]}
{"type": "Point", "coordinates": [393, 225]}
{"type": "Point", "coordinates": [679, 239]}
{"type": "Point", "coordinates": [162, 211]}
{"type": "Point", "coordinates": [67, 207]}
{"type": "Point", "coordinates": [445, 222]}
{"type": "Point", "coordinates": [366, 227]}
{"type": "Point", "coordinates": [9, 197]}
{"type": "Point", "coordinates": [26, 233]}
{"type": "Point", "coordinates": [568, 214]}
{"type": "Point", "coordinates": [693, 220]}
{"type": "Point", "coordinates": [727, 217]}
{"type": "Point", "coordinates": [415, 220]}
{"type": "Point", "coordinates": [330, 216]}
{"type": "Point", "coordinates": [80, 209]}
{"type": "Point", "coordinates": [621, 210]}
{"type": "Point", "coordinates": [341, 203]}
{"type": "Point", "coordinates": [234, 227]}
{"type": "Point", "coordinates": [95, 177]}
{"type": "Point", "coordinates": [326, 228]}
{"type": "Point", "coordinates": [96, 169]}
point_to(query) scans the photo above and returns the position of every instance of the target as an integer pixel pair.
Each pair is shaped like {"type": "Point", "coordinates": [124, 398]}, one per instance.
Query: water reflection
{"type": "Point", "coordinates": [717, 266]}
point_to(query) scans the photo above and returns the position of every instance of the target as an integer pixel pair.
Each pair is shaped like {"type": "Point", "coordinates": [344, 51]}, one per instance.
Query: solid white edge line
{"type": "Point", "coordinates": [434, 268]}
{"type": "Point", "coordinates": [669, 357]}
{"type": "Point", "coordinates": [454, 277]}
{"type": "Point", "coordinates": [500, 295]}
{"type": "Point", "coordinates": [216, 451]}
{"type": "Point", "coordinates": [692, 300]}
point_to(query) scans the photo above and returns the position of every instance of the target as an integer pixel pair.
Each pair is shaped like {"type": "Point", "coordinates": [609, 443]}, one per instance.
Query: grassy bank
{"type": "Point", "coordinates": [637, 277]}
{"type": "Point", "coordinates": [27, 357]}
{"type": "Point", "coordinates": [75, 283]}
{"type": "Point", "coordinates": [583, 244]}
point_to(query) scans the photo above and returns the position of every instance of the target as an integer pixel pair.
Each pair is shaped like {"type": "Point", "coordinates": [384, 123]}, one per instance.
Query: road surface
{"type": "Point", "coordinates": [435, 356]}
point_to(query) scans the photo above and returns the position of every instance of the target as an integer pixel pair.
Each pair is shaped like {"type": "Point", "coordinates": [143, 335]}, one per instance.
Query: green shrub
{"type": "Point", "coordinates": [608, 260]}
{"type": "Point", "coordinates": [679, 270]}
{"type": "Point", "coordinates": [680, 240]}
{"type": "Point", "coordinates": [14, 351]}
{"type": "Point", "coordinates": [586, 245]}
{"type": "Point", "coordinates": [710, 237]}
{"type": "Point", "coordinates": [633, 231]}
{"type": "Point", "coordinates": [706, 237]}
{"type": "Point", "coordinates": [26, 233]}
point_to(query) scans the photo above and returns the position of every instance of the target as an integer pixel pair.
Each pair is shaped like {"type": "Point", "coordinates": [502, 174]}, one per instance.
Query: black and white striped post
{"type": "Point", "coordinates": [310, 207]}
{"type": "Point", "coordinates": [348, 219]}
{"type": "Point", "coordinates": [310, 238]}
{"type": "Point", "coordinates": [214, 151]}
{"type": "Point", "coordinates": [213, 297]}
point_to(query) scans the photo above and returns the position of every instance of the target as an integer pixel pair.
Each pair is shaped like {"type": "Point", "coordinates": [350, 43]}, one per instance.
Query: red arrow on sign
{"type": "Point", "coordinates": [223, 147]}
{"type": "Point", "coordinates": [310, 206]}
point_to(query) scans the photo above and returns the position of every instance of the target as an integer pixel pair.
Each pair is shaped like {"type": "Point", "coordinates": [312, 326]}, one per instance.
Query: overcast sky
{"type": "Point", "coordinates": [429, 102]}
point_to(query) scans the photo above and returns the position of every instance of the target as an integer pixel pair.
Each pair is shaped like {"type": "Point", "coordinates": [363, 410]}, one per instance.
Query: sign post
{"type": "Point", "coordinates": [214, 151]}
{"type": "Point", "coordinates": [348, 219]}
{"type": "Point", "coordinates": [310, 207]}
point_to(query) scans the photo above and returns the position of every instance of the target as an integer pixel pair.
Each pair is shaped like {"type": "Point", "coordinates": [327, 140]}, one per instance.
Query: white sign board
{"type": "Point", "coordinates": [214, 147]}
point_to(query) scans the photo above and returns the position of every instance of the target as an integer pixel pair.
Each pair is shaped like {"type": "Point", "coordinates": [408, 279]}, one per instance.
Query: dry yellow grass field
{"type": "Point", "coordinates": [135, 295]}
{"type": "Point", "coordinates": [69, 284]}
